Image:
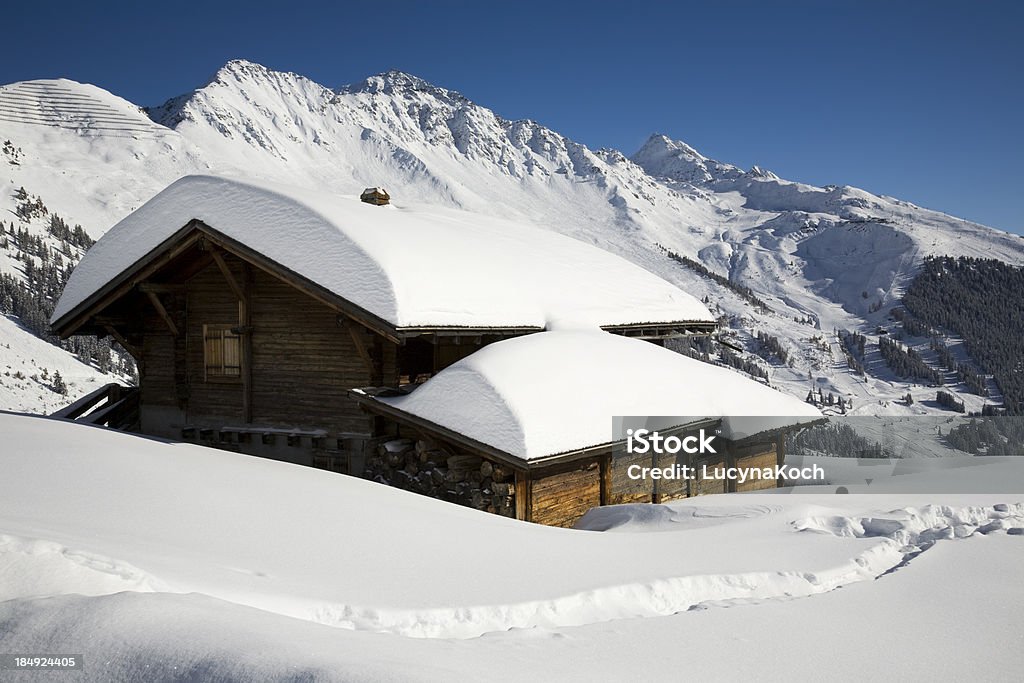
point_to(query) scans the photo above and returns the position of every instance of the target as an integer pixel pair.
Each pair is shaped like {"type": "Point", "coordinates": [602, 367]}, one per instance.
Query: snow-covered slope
{"type": "Point", "coordinates": [163, 561]}
{"type": "Point", "coordinates": [29, 368]}
{"type": "Point", "coordinates": [820, 258]}
{"type": "Point", "coordinates": [92, 156]}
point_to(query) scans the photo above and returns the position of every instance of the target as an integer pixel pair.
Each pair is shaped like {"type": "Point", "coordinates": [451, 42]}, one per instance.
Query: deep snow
{"type": "Point", "coordinates": [158, 559]}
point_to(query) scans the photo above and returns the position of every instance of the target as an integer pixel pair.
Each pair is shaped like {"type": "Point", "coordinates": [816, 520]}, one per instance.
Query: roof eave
{"type": "Point", "coordinates": [367, 398]}
{"type": "Point", "coordinates": [180, 241]}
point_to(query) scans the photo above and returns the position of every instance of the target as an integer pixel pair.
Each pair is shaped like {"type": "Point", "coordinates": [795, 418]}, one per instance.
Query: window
{"type": "Point", "coordinates": [222, 353]}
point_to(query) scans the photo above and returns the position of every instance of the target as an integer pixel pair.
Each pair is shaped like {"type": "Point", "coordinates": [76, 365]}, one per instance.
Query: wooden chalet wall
{"type": "Point", "coordinates": [757, 455]}
{"type": "Point", "coordinates": [303, 359]}
{"type": "Point", "coordinates": [561, 494]}
{"type": "Point", "coordinates": [420, 460]}
{"type": "Point", "coordinates": [304, 362]}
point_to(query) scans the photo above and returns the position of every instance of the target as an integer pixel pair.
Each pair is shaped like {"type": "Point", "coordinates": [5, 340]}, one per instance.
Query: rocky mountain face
{"type": "Point", "coordinates": [817, 259]}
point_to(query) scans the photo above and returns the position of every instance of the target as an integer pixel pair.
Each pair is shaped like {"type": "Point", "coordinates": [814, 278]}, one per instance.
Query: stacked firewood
{"type": "Point", "coordinates": [425, 467]}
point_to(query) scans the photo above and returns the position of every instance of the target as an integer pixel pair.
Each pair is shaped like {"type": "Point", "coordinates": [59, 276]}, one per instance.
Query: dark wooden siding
{"type": "Point", "coordinates": [156, 381]}
{"type": "Point", "coordinates": [210, 301]}
{"type": "Point", "coordinates": [304, 361]}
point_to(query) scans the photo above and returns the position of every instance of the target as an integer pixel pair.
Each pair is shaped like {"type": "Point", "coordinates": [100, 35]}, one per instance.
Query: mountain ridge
{"type": "Point", "coordinates": [837, 256]}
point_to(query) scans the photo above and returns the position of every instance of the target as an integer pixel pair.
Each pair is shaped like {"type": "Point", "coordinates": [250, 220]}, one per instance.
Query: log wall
{"type": "Point", "coordinates": [765, 458]}
{"type": "Point", "coordinates": [303, 361]}
{"type": "Point", "coordinates": [559, 496]}
{"type": "Point", "coordinates": [703, 486]}
{"type": "Point", "coordinates": [209, 300]}
{"type": "Point", "coordinates": [156, 376]}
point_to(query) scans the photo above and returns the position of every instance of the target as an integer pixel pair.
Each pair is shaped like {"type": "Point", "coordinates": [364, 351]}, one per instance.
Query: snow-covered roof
{"type": "Point", "coordinates": [411, 266]}
{"type": "Point", "coordinates": [555, 392]}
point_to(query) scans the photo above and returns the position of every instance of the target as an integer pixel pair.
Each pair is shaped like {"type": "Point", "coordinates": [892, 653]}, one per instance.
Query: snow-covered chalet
{"type": "Point", "coordinates": [466, 357]}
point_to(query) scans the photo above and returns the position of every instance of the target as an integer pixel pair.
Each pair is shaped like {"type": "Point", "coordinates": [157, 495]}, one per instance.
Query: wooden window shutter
{"type": "Point", "coordinates": [222, 353]}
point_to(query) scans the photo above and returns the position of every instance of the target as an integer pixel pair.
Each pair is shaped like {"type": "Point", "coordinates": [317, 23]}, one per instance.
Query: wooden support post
{"type": "Point", "coordinates": [606, 480]}
{"type": "Point", "coordinates": [780, 455]}
{"type": "Point", "coordinates": [523, 495]}
{"type": "Point", "coordinates": [690, 487]}
{"type": "Point", "coordinates": [377, 362]}
{"type": "Point", "coordinates": [244, 321]}
{"type": "Point", "coordinates": [163, 312]}
{"type": "Point", "coordinates": [730, 461]}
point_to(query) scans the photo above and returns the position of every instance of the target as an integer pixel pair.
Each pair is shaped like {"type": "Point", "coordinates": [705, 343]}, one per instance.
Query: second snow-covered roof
{"type": "Point", "coordinates": [413, 267]}
{"type": "Point", "coordinates": [556, 392]}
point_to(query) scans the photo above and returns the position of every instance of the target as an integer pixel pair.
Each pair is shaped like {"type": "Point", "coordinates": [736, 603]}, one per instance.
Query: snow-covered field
{"type": "Point", "coordinates": [165, 561]}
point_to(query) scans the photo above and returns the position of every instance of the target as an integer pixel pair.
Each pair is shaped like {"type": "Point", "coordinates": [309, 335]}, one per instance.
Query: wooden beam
{"type": "Point", "coordinates": [199, 263]}
{"type": "Point", "coordinates": [157, 258]}
{"type": "Point", "coordinates": [245, 322]}
{"type": "Point", "coordinates": [163, 312]}
{"type": "Point", "coordinates": [338, 303]}
{"type": "Point", "coordinates": [357, 339]}
{"type": "Point", "coordinates": [112, 331]}
{"type": "Point", "coordinates": [606, 479]}
{"type": "Point", "coordinates": [160, 287]}
{"type": "Point", "coordinates": [524, 496]}
{"type": "Point", "coordinates": [730, 461]}
{"type": "Point", "coordinates": [104, 320]}
{"type": "Point", "coordinates": [85, 403]}
{"type": "Point", "coordinates": [226, 272]}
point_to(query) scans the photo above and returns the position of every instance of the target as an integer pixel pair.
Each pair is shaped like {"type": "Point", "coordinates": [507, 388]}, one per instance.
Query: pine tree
{"type": "Point", "coordinates": [58, 384]}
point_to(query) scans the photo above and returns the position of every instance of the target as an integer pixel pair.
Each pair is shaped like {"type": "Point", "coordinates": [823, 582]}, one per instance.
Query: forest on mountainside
{"type": "Point", "coordinates": [46, 264]}
{"type": "Point", "coordinates": [982, 300]}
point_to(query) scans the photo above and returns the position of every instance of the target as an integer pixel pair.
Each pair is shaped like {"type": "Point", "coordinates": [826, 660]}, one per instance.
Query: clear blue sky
{"type": "Point", "coordinates": [920, 100]}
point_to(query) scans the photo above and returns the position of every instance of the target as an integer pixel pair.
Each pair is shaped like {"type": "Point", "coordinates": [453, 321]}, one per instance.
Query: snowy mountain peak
{"type": "Point", "coordinates": [239, 101]}
{"type": "Point", "coordinates": [664, 157]}
{"type": "Point", "coordinates": [661, 144]}
{"type": "Point", "coordinates": [241, 68]}
{"type": "Point", "coordinates": [394, 82]}
{"type": "Point", "coordinates": [240, 72]}
{"type": "Point", "coordinates": [763, 173]}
